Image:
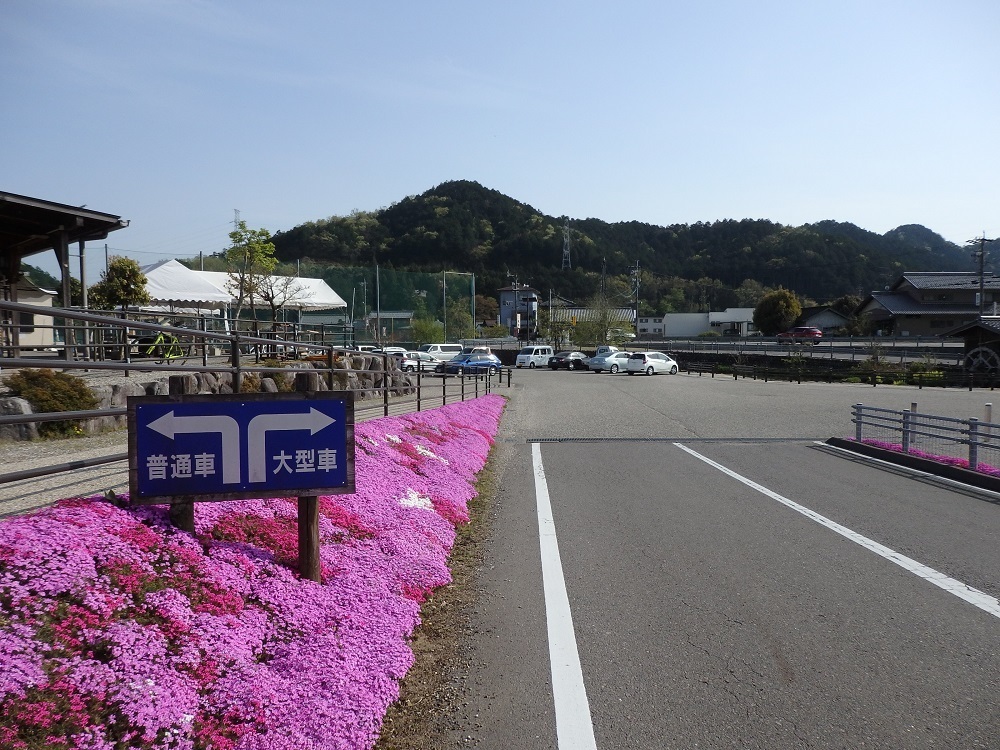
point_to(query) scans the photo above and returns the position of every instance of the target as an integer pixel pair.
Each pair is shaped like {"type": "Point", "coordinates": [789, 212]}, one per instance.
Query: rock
{"type": "Point", "coordinates": [12, 405]}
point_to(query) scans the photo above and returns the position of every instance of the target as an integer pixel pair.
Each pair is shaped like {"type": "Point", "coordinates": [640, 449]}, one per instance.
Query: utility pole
{"type": "Point", "coordinates": [566, 260]}
{"type": "Point", "coordinates": [635, 290]}
{"type": "Point", "coordinates": [980, 255]}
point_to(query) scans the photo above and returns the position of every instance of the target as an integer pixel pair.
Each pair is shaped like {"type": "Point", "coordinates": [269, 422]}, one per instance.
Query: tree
{"type": "Point", "coordinates": [123, 284]}
{"type": "Point", "coordinates": [427, 330]}
{"type": "Point", "coordinates": [278, 292]}
{"type": "Point", "coordinates": [750, 292]}
{"type": "Point", "coordinates": [487, 309]}
{"type": "Point", "coordinates": [776, 312]}
{"type": "Point", "coordinates": [249, 260]}
{"type": "Point", "coordinates": [460, 325]}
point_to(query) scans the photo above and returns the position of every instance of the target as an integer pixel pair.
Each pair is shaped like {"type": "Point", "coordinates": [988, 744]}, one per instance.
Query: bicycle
{"type": "Point", "coordinates": [164, 347]}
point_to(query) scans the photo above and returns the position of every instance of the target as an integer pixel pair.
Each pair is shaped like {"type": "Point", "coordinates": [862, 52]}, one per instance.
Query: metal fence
{"type": "Point", "coordinates": [134, 345]}
{"type": "Point", "coordinates": [970, 442]}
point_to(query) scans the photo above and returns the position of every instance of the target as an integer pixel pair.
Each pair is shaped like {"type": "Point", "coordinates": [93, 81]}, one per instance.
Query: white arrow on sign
{"type": "Point", "coordinates": [260, 425]}
{"type": "Point", "coordinates": [171, 425]}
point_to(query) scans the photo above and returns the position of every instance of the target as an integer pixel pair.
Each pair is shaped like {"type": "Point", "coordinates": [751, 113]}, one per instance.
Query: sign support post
{"type": "Point", "coordinates": [309, 566]}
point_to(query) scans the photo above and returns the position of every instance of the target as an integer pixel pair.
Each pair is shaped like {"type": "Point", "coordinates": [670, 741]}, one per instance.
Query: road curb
{"type": "Point", "coordinates": [954, 473]}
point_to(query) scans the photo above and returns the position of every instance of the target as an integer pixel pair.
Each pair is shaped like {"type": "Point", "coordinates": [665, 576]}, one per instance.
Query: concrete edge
{"type": "Point", "coordinates": [954, 473]}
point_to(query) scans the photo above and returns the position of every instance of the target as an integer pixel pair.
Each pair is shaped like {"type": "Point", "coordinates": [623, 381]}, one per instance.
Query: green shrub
{"type": "Point", "coordinates": [48, 391]}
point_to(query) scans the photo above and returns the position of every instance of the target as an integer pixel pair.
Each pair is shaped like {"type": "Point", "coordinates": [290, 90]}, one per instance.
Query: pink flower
{"type": "Point", "coordinates": [118, 631]}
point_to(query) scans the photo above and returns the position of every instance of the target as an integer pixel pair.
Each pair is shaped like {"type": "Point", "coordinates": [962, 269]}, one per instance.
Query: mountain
{"type": "Point", "coordinates": [463, 226]}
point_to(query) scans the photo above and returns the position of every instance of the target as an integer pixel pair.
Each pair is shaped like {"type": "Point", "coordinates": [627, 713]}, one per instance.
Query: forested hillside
{"type": "Point", "coordinates": [463, 226]}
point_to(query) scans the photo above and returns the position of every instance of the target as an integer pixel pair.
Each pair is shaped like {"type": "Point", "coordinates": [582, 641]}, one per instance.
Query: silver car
{"type": "Point", "coordinates": [413, 361]}
{"type": "Point", "coordinates": [611, 361]}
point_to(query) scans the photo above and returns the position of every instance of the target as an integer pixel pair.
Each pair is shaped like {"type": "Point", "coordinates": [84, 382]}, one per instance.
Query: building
{"type": "Point", "coordinates": [389, 325]}
{"type": "Point", "coordinates": [621, 318]}
{"type": "Point", "coordinates": [733, 321]}
{"type": "Point", "coordinates": [931, 303]}
{"type": "Point", "coordinates": [826, 319]}
{"type": "Point", "coordinates": [519, 309]}
{"type": "Point", "coordinates": [649, 328]}
{"type": "Point", "coordinates": [32, 329]}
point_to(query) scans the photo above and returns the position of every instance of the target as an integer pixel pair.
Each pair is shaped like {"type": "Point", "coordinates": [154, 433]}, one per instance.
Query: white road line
{"type": "Point", "coordinates": [574, 728]}
{"type": "Point", "coordinates": [974, 596]}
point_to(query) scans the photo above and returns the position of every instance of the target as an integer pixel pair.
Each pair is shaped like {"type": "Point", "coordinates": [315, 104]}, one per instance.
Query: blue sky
{"type": "Point", "coordinates": [173, 113]}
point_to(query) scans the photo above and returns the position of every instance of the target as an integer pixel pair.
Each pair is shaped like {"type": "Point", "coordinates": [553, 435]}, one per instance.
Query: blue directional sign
{"type": "Point", "coordinates": [217, 447]}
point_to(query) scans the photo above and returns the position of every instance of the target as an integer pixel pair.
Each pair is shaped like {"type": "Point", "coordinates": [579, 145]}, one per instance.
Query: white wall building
{"type": "Point", "coordinates": [733, 321]}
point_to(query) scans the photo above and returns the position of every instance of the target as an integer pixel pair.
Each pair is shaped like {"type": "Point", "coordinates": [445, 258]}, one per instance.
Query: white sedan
{"type": "Point", "coordinates": [651, 363]}
{"type": "Point", "coordinates": [610, 361]}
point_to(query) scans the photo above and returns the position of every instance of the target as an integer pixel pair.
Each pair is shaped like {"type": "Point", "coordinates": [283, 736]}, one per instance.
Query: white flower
{"type": "Point", "coordinates": [414, 499]}
{"type": "Point", "coordinates": [430, 454]}
{"type": "Point", "coordinates": [394, 439]}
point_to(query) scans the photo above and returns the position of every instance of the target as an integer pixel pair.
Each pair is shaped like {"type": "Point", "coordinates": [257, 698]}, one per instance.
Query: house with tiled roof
{"type": "Point", "coordinates": [931, 303]}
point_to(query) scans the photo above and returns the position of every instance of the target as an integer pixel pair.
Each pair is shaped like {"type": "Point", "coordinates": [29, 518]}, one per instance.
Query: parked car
{"type": "Point", "coordinates": [651, 363]}
{"type": "Point", "coordinates": [442, 352]}
{"type": "Point", "coordinates": [568, 361]}
{"type": "Point", "coordinates": [605, 349]}
{"type": "Point", "coordinates": [394, 350]}
{"type": "Point", "coordinates": [471, 364]}
{"type": "Point", "coordinates": [533, 356]}
{"type": "Point", "coordinates": [801, 335]}
{"type": "Point", "coordinates": [612, 362]}
{"type": "Point", "coordinates": [414, 361]}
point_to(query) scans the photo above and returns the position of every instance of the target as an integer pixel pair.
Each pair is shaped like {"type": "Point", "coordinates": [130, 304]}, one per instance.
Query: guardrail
{"type": "Point", "coordinates": [971, 441]}
{"type": "Point", "coordinates": [700, 368]}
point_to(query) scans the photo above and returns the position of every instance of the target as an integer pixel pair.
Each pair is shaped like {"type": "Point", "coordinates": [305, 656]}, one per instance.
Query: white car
{"type": "Point", "coordinates": [413, 361]}
{"type": "Point", "coordinates": [651, 363]}
{"type": "Point", "coordinates": [611, 361]}
{"type": "Point", "coordinates": [533, 356]}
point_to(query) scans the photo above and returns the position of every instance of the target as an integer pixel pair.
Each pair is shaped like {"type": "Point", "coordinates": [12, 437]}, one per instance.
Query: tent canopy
{"type": "Point", "coordinates": [171, 282]}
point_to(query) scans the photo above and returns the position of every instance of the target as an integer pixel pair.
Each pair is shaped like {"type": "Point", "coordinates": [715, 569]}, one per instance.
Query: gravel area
{"type": "Point", "coordinates": [16, 456]}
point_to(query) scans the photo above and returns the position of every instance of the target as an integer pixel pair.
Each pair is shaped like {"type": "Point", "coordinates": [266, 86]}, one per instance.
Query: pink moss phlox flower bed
{"type": "Point", "coordinates": [962, 463]}
{"type": "Point", "coordinates": [116, 631]}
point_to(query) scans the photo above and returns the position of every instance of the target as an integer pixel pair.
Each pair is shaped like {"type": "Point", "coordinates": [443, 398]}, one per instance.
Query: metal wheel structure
{"type": "Point", "coordinates": [982, 359]}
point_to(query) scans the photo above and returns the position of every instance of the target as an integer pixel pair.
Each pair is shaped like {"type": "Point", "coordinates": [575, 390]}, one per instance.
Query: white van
{"type": "Point", "coordinates": [442, 352]}
{"type": "Point", "coordinates": [533, 356]}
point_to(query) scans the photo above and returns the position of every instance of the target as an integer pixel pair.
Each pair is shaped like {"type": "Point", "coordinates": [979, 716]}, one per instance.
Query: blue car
{"type": "Point", "coordinates": [472, 364]}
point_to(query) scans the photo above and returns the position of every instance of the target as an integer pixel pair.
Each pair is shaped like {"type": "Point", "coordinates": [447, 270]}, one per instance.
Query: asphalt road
{"type": "Point", "coordinates": [727, 581]}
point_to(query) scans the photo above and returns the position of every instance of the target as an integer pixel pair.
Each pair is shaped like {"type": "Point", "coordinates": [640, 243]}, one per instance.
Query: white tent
{"type": "Point", "coordinates": [172, 284]}
{"type": "Point", "coordinates": [301, 293]}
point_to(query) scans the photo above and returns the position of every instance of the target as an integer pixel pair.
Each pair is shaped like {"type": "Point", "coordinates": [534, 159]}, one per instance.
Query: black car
{"type": "Point", "coordinates": [568, 361]}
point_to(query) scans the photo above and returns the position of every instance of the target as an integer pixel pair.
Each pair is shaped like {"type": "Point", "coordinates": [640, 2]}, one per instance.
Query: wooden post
{"type": "Point", "coordinates": [181, 515]}
{"type": "Point", "coordinates": [309, 566]}
{"type": "Point", "coordinates": [385, 385]}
